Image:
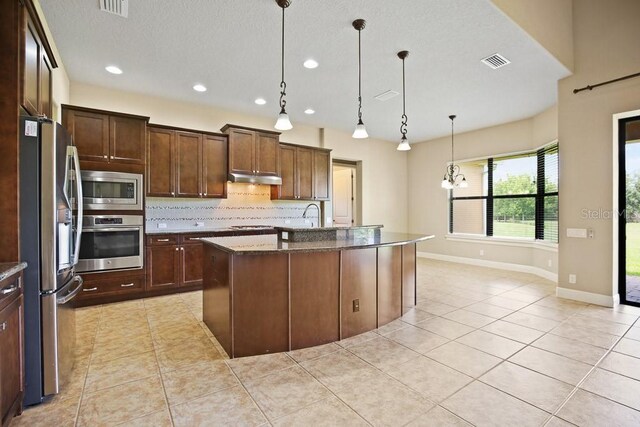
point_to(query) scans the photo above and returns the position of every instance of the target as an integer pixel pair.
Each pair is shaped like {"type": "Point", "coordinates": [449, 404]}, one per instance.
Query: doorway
{"type": "Point", "coordinates": [629, 210]}
{"type": "Point", "coordinates": [345, 200]}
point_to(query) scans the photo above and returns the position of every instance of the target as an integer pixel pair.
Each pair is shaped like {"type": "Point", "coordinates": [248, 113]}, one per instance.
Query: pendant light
{"type": "Point", "coordinates": [404, 142]}
{"type": "Point", "coordinates": [452, 177]}
{"type": "Point", "coordinates": [360, 132]}
{"type": "Point", "coordinates": [283, 122]}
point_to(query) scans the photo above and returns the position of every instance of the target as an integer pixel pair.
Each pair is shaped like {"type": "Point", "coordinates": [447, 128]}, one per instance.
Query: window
{"type": "Point", "coordinates": [510, 196]}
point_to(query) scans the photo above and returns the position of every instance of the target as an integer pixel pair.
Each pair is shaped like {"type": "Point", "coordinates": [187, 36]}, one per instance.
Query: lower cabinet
{"type": "Point", "coordinates": [11, 348]}
{"type": "Point", "coordinates": [111, 286]}
{"type": "Point", "coordinates": [173, 262]}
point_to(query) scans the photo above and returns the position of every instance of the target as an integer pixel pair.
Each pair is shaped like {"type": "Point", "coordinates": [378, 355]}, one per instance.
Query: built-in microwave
{"type": "Point", "coordinates": [104, 190]}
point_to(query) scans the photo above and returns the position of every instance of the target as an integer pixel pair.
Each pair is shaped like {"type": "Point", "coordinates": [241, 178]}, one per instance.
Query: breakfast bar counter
{"type": "Point", "coordinates": [265, 295]}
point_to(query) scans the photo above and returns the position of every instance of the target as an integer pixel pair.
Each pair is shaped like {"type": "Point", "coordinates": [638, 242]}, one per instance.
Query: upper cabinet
{"type": "Point", "coordinates": [37, 63]}
{"type": "Point", "coordinates": [106, 137]}
{"type": "Point", "coordinates": [305, 173]}
{"type": "Point", "coordinates": [182, 163]}
{"type": "Point", "coordinates": [252, 151]}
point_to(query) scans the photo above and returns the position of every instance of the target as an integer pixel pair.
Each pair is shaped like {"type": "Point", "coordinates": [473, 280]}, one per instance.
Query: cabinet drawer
{"type": "Point", "coordinates": [113, 286]}
{"type": "Point", "coordinates": [10, 288]}
{"type": "Point", "coordinates": [171, 239]}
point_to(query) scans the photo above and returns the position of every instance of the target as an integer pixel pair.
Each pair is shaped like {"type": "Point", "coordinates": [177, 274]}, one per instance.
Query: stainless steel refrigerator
{"type": "Point", "coordinates": [49, 242]}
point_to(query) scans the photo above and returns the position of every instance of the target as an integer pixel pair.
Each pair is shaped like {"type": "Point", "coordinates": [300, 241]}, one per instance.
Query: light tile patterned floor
{"type": "Point", "coordinates": [483, 347]}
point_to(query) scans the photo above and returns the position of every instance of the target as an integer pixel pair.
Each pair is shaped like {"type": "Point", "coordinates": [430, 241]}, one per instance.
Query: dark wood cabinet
{"type": "Point", "coordinates": [305, 173]}
{"type": "Point", "coordinates": [253, 151]}
{"type": "Point", "coordinates": [174, 261]}
{"type": "Point", "coordinates": [188, 164]}
{"type": "Point", "coordinates": [191, 264]}
{"type": "Point", "coordinates": [214, 166]}
{"type": "Point", "coordinates": [37, 64]}
{"type": "Point", "coordinates": [106, 137]}
{"type": "Point", "coordinates": [163, 266]}
{"type": "Point", "coordinates": [185, 163]}
{"type": "Point", "coordinates": [160, 162]}
{"type": "Point", "coordinates": [11, 348]}
{"type": "Point", "coordinates": [321, 174]}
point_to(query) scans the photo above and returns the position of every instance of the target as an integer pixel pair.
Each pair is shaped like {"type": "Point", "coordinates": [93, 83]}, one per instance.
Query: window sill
{"type": "Point", "coordinates": [503, 241]}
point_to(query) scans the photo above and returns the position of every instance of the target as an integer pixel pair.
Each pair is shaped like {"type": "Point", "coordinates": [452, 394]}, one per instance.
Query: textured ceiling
{"type": "Point", "coordinates": [233, 47]}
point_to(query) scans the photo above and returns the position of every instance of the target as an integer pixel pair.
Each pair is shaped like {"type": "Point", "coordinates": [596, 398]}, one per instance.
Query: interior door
{"type": "Point", "coordinates": [342, 196]}
{"type": "Point", "coordinates": [629, 222]}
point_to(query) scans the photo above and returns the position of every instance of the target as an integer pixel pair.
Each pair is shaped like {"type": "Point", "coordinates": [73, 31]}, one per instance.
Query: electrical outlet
{"type": "Point", "coordinates": [481, 252]}
{"type": "Point", "coordinates": [356, 305]}
{"type": "Point", "coordinates": [572, 278]}
{"type": "Point", "coordinates": [287, 221]}
{"type": "Point", "coordinates": [199, 224]}
{"type": "Point", "coordinates": [162, 225]}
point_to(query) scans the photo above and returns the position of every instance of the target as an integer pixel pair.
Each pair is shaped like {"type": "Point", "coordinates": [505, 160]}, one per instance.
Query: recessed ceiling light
{"type": "Point", "coordinates": [260, 101]}
{"type": "Point", "coordinates": [113, 69]}
{"type": "Point", "coordinates": [199, 88]}
{"type": "Point", "coordinates": [310, 63]}
{"type": "Point", "coordinates": [309, 111]}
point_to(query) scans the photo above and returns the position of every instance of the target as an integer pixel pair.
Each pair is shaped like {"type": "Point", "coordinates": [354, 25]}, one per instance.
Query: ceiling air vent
{"type": "Point", "coordinates": [386, 95]}
{"type": "Point", "coordinates": [495, 61]}
{"type": "Point", "coordinates": [116, 7]}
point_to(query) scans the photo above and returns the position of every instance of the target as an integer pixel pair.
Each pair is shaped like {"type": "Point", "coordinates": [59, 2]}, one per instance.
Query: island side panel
{"type": "Point", "coordinates": [408, 277]}
{"type": "Point", "coordinates": [389, 284]}
{"type": "Point", "coordinates": [315, 293]}
{"type": "Point", "coordinates": [358, 283]}
{"type": "Point", "coordinates": [260, 304]}
{"type": "Point", "coordinates": [216, 295]}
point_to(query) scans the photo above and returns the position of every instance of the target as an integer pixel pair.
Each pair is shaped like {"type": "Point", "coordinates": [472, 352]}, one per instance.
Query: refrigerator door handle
{"type": "Point", "coordinates": [65, 299]}
{"type": "Point", "coordinates": [73, 151]}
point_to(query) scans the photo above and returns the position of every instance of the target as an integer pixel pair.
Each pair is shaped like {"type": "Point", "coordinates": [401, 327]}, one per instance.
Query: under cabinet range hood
{"type": "Point", "coordinates": [254, 179]}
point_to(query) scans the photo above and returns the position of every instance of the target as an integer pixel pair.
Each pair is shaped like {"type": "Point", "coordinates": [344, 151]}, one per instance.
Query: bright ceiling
{"type": "Point", "coordinates": [233, 48]}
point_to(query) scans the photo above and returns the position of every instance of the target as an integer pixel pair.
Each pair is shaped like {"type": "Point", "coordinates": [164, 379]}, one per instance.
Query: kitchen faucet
{"type": "Point", "coordinates": [304, 214]}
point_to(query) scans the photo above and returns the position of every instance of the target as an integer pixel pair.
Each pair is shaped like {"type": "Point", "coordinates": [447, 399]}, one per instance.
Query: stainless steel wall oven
{"type": "Point", "coordinates": [111, 242]}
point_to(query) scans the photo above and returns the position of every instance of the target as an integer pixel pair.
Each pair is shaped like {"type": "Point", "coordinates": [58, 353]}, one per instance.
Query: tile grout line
{"type": "Point", "coordinates": [86, 375]}
{"type": "Point", "coordinates": [582, 381]}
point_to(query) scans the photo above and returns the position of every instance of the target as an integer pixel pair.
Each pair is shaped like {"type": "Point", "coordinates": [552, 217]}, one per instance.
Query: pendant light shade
{"type": "Point", "coordinates": [283, 122]}
{"type": "Point", "coordinates": [404, 142]}
{"type": "Point", "coordinates": [360, 132]}
{"type": "Point", "coordinates": [452, 176]}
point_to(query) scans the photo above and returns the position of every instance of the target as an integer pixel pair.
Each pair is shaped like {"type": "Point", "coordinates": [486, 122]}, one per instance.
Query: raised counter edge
{"type": "Point", "coordinates": [8, 269]}
{"type": "Point", "coordinates": [353, 227]}
{"type": "Point", "coordinates": [325, 249]}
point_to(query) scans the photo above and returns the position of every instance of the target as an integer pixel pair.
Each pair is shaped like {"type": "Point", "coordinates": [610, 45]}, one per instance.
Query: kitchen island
{"type": "Point", "coordinates": [265, 295]}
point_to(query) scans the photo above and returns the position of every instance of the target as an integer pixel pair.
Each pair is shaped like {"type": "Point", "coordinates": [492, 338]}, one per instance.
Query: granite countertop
{"type": "Point", "coordinates": [251, 245]}
{"type": "Point", "coordinates": [8, 269]}
{"type": "Point", "coordinates": [354, 227]}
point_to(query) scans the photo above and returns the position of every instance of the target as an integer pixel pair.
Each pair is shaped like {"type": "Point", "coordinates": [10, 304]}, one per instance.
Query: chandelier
{"type": "Point", "coordinates": [452, 177]}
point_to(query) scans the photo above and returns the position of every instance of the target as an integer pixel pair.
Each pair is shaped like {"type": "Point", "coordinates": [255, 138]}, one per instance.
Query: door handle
{"type": "Point", "coordinates": [72, 294]}
{"type": "Point", "coordinates": [128, 285]}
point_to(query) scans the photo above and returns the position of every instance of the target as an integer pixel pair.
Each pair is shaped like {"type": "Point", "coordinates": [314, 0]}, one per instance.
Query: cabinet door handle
{"type": "Point", "coordinates": [3, 326]}
{"type": "Point", "coordinates": [105, 157]}
{"type": "Point", "coordinates": [162, 240]}
{"type": "Point", "coordinates": [182, 249]}
{"type": "Point", "coordinates": [257, 171]}
{"type": "Point", "coordinates": [205, 194]}
{"type": "Point", "coordinates": [128, 285]}
{"type": "Point", "coordinates": [89, 289]}
{"type": "Point", "coordinates": [9, 290]}
{"type": "Point", "coordinates": [177, 249]}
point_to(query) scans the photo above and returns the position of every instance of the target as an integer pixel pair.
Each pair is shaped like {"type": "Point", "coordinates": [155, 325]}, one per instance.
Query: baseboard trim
{"type": "Point", "coordinates": [588, 297]}
{"type": "Point", "coordinates": [493, 264]}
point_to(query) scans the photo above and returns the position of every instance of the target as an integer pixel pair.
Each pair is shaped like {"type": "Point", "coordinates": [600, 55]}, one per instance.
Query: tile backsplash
{"type": "Point", "coordinates": [246, 204]}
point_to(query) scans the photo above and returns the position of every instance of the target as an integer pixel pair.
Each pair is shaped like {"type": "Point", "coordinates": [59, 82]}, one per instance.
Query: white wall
{"type": "Point", "coordinates": [428, 202]}
{"type": "Point", "coordinates": [384, 169]}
